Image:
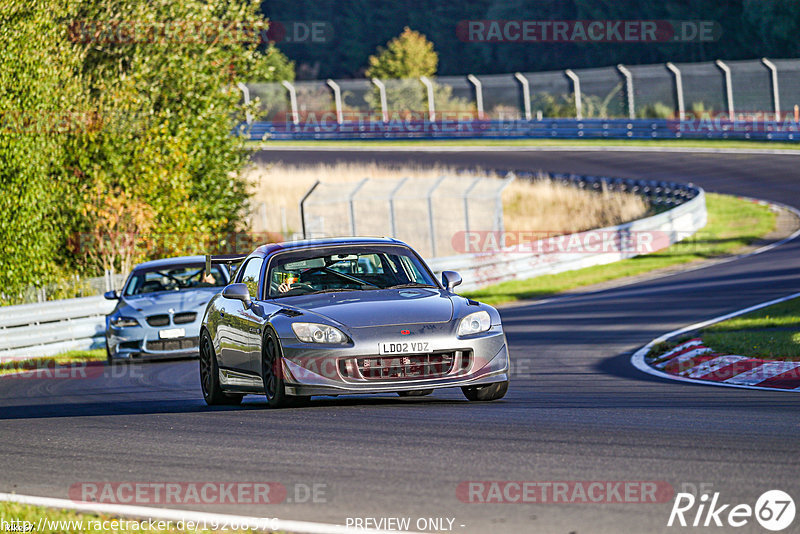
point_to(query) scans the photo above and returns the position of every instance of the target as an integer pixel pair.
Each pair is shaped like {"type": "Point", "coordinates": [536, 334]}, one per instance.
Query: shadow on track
{"type": "Point", "coordinates": [153, 407]}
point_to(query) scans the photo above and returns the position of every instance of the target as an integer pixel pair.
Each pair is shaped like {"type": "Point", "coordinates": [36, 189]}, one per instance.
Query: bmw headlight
{"type": "Point", "coordinates": [474, 323]}
{"type": "Point", "coordinates": [121, 322]}
{"type": "Point", "coordinates": [318, 333]}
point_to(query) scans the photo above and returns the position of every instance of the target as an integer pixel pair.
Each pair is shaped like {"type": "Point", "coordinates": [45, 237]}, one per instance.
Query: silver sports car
{"type": "Point", "coordinates": [160, 308]}
{"type": "Point", "coordinates": [346, 316]}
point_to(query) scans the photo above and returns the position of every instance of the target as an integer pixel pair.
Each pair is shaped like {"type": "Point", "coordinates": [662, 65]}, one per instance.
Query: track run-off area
{"type": "Point", "coordinates": [577, 410]}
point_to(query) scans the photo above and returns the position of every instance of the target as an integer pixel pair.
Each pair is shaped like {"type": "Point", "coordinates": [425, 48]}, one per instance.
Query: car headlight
{"type": "Point", "coordinates": [474, 323]}
{"type": "Point", "coordinates": [121, 322]}
{"type": "Point", "coordinates": [318, 333]}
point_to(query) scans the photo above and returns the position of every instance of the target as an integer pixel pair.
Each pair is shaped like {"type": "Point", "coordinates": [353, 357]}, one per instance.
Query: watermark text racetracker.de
{"type": "Point", "coordinates": [173, 493]}
{"type": "Point", "coordinates": [122, 32]}
{"type": "Point", "coordinates": [553, 242]}
{"type": "Point", "coordinates": [587, 31]}
{"type": "Point", "coordinates": [564, 492]}
{"type": "Point", "coordinates": [47, 524]}
{"type": "Point", "coordinates": [42, 369]}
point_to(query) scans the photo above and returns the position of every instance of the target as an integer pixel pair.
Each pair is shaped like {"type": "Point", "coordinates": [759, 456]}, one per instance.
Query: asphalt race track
{"type": "Point", "coordinates": [576, 410]}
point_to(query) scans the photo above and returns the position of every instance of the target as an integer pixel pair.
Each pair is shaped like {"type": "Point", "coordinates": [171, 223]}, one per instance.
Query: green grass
{"type": "Point", "coordinates": [733, 223]}
{"type": "Point", "coordinates": [659, 143]}
{"type": "Point", "coordinates": [784, 314]}
{"type": "Point", "coordinates": [65, 358]}
{"type": "Point", "coordinates": [772, 333]}
{"type": "Point", "coordinates": [776, 345]}
{"type": "Point", "coordinates": [32, 514]}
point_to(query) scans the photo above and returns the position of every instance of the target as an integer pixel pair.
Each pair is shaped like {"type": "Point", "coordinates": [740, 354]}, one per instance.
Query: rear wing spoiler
{"type": "Point", "coordinates": [223, 259]}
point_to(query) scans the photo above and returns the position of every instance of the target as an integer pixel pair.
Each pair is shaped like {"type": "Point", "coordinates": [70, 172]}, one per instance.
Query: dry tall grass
{"type": "Point", "coordinates": [540, 205]}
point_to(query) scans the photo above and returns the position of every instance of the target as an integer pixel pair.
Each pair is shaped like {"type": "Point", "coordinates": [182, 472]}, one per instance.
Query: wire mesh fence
{"type": "Point", "coordinates": [429, 214]}
{"type": "Point", "coordinates": [657, 92]}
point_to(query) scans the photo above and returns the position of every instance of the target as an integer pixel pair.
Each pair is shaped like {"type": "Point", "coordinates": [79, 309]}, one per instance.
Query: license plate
{"type": "Point", "coordinates": [403, 347]}
{"type": "Point", "coordinates": [172, 333]}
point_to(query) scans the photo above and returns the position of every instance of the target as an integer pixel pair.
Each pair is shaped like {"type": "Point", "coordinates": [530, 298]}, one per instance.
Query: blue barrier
{"type": "Point", "coordinates": [713, 128]}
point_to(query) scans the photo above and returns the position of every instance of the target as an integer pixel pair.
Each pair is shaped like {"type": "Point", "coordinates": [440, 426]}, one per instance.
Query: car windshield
{"type": "Point", "coordinates": [173, 278]}
{"type": "Point", "coordinates": [352, 268]}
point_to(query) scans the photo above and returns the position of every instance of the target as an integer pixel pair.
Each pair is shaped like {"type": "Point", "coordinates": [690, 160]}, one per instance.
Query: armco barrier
{"type": "Point", "coordinates": [686, 214]}
{"type": "Point", "coordinates": [763, 130]}
{"type": "Point", "coordinates": [31, 330]}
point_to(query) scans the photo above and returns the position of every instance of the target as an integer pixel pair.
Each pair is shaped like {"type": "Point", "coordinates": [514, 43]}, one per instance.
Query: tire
{"type": "Point", "coordinates": [274, 384]}
{"type": "Point", "coordinates": [415, 393]}
{"type": "Point", "coordinates": [109, 358]}
{"type": "Point", "coordinates": [489, 392]}
{"type": "Point", "coordinates": [209, 375]}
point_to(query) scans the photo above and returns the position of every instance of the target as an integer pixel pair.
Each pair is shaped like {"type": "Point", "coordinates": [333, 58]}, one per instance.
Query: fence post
{"type": "Point", "coordinates": [678, 90]}
{"type": "Point", "coordinates": [510, 177]}
{"type": "Point", "coordinates": [431, 226]}
{"type": "Point", "coordinates": [469, 189]}
{"type": "Point", "coordinates": [478, 94]}
{"type": "Point", "coordinates": [302, 207]}
{"type": "Point", "coordinates": [526, 94]}
{"type": "Point", "coordinates": [391, 205]}
{"type": "Point", "coordinates": [384, 105]}
{"type": "Point", "coordinates": [576, 90]}
{"type": "Point", "coordinates": [431, 106]}
{"type": "Point", "coordinates": [246, 97]}
{"type": "Point", "coordinates": [628, 90]}
{"type": "Point", "coordinates": [350, 199]}
{"type": "Point", "coordinates": [726, 70]}
{"type": "Point", "coordinates": [337, 99]}
{"type": "Point", "coordinates": [776, 96]}
{"type": "Point", "coordinates": [292, 101]}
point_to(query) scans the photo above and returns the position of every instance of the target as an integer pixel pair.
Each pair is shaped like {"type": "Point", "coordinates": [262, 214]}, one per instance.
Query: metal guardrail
{"type": "Point", "coordinates": [681, 213]}
{"type": "Point", "coordinates": [31, 330]}
{"type": "Point", "coordinates": [787, 130]}
{"type": "Point", "coordinates": [748, 99]}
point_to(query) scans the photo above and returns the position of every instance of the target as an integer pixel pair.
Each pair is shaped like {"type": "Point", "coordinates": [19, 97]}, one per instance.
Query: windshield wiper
{"type": "Point", "coordinates": [334, 290]}
{"type": "Point", "coordinates": [410, 284]}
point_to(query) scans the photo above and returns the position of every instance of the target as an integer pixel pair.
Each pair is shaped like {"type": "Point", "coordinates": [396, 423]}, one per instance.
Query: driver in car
{"type": "Point", "coordinates": [289, 279]}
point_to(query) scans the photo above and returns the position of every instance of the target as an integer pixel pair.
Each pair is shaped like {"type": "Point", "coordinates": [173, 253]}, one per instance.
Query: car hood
{"type": "Point", "coordinates": [378, 307]}
{"type": "Point", "coordinates": [186, 300]}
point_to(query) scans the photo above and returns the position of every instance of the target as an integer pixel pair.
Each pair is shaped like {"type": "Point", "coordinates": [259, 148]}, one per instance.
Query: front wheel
{"type": "Point", "coordinates": [272, 374]}
{"type": "Point", "coordinates": [209, 375]}
{"type": "Point", "coordinates": [489, 392]}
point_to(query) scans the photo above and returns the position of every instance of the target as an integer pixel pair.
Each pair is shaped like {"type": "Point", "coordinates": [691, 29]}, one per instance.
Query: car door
{"type": "Point", "coordinates": [241, 329]}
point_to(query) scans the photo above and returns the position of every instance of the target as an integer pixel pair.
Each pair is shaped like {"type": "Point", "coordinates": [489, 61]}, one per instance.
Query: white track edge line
{"type": "Point", "coordinates": [171, 514]}
{"type": "Point", "coordinates": [638, 358]}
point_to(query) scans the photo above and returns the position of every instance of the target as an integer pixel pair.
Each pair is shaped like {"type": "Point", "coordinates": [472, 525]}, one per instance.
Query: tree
{"type": "Point", "coordinates": [409, 55]}
{"type": "Point", "coordinates": [38, 100]}
{"type": "Point", "coordinates": [163, 77]}
{"type": "Point", "coordinates": [118, 116]}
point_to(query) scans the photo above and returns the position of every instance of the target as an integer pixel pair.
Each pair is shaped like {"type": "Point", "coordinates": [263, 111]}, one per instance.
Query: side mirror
{"type": "Point", "coordinates": [237, 292]}
{"type": "Point", "coordinates": [450, 279]}
{"type": "Point", "coordinates": [111, 295]}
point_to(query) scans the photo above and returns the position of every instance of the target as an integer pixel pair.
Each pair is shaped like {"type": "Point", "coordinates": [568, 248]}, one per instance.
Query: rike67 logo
{"type": "Point", "coordinates": [774, 510]}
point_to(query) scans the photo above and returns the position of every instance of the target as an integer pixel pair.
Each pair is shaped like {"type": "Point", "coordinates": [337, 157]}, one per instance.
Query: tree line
{"type": "Point", "coordinates": [350, 30]}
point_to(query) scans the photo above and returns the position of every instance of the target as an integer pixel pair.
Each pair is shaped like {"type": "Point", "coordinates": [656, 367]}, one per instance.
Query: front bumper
{"type": "Point", "coordinates": [143, 342]}
{"type": "Point", "coordinates": [477, 360]}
